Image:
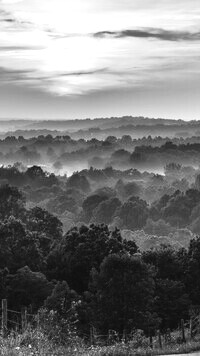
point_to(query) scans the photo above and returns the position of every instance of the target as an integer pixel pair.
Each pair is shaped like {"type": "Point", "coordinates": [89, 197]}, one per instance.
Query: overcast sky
{"type": "Point", "coordinates": [89, 58]}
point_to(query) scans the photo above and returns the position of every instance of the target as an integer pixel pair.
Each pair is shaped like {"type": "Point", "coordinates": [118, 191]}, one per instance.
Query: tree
{"type": "Point", "coordinates": [42, 221]}
{"type": "Point", "coordinates": [78, 181]}
{"type": "Point", "coordinates": [192, 271]}
{"type": "Point", "coordinates": [155, 212]}
{"type": "Point", "coordinates": [169, 145]}
{"type": "Point", "coordinates": [61, 203]}
{"type": "Point", "coordinates": [179, 207]}
{"type": "Point", "coordinates": [35, 172]}
{"type": "Point", "coordinates": [176, 209]}
{"type": "Point", "coordinates": [82, 249]}
{"type": "Point", "coordinates": [61, 299]}
{"type": "Point", "coordinates": [137, 157]}
{"type": "Point", "coordinates": [126, 140]}
{"type": "Point", "coordinates": [166, 261]}
{"type": "Point", "coordinates": [172, 303]}
{"type": "Point", "coordinates": [172, 168]}
{"type": "Point", "coordinates": [133, 213]}
{"type": "Point", "coordinates": [48, 227]}
{"type": "Point", "coordinates": [26, 155]}
{"type": "Point", "coordinates": [27, 288]}
{"type": "Point", "coordinates": [120, 155]}
{"type": "Point", "coordinates": [124, 292]}
{"type": "Point", "coordinates": [38, 177]}
{"type": "Point", "coordinates": [12, 202]}
{"type": "Point", "coordinates": [13, 174]}
{"type": "Point", "coordinates": [172, 298]}
{"type": "Point", "coordinates": [106, 210]}
{"type": "Point", "coordinates": [111, 139]}
{"type": "Point", "coordinates": [18, 247]}
{"type": "Point", "coordinates": [90, 204]}
{"type": "Point", "coordinates": [3, 277]}
{"type": "Point", "coordinates": [65, 307]}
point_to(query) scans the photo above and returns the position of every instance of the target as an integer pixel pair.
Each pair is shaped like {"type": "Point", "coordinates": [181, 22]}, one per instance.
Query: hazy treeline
{"type": "Point", "coordinates": [62, 154]}
{"type": "Point", "coordinates": [100, 128]}
{"type": "Point", "coordinates": [75, 125]}
{"type": "Point", "coordinates": [159, 209]}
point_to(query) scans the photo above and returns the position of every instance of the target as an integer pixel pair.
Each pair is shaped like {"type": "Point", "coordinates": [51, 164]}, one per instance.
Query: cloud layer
{"type": "Point", "coordinates": [72, 48]}
{"type": "Point", "coordinates": [154, 33]}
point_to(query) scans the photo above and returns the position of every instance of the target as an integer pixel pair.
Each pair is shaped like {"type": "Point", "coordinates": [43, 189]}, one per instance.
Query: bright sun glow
{"type": "Point", "coordinates": [53, 42]}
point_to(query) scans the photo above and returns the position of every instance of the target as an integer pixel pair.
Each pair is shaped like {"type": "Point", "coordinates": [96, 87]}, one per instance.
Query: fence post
{"type": "Point", "coordinates": [38, 319]}
{"type": "Point", "coordinates": [183, 330]}
{"type": "Point", "coordinates": [4, 317]}
{"type": "Point", "coordinates": [191, 328]}
{"type": "Point", "coordinates": [151, 341]}
{"type": "Point", "coordinates": [94, 335]}
{"type": "Point", "coordinates": [24, 318]}
{"type": "Point", "coordinates": [91, 336]}
{"type": "Point", "coordinates": [159, 339]}
{"type": "Point", "coordinates": [124, 337]}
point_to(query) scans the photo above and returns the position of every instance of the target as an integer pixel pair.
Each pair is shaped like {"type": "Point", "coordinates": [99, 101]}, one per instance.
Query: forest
{"type": "Point", "coordinates": [104, 232]}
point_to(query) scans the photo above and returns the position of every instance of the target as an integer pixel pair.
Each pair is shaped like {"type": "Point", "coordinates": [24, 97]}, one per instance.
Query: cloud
{"type": "Point", "coordinates": [57, 36]}
{"type": "Point", "coordinates": [11, 75]}
{"type": "Point", "coordinates": [34, 75]}
{"type": "Point", "coordinates": [19, 48]}
{"type": "Point", "coordinates": [7, 2]}
{"type": "Point", "coordinates": [159, 34]}
{"type": "Point", "coordinates": [8, 18]}
{"type": "Point", "coordinates": [79, 73]}
{"type": "Point", "coordinates": [64, 49]}
{"type": "Point", "coordinates": [54, 82]}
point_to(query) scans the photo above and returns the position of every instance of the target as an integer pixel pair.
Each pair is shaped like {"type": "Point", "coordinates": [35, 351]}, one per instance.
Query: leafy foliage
{"type": "Point", "coordinates": [83, 249]}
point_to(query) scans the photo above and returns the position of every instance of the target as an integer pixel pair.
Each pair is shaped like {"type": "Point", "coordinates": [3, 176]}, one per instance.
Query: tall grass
{"type": "Point", "coordinates": [35, 342]}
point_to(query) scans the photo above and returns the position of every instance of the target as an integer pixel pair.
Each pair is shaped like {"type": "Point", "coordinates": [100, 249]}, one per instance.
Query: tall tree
{"type": "Point", "coordinates": [124, 294]}
{"type": "Point", "coordinates": [82, 249]}
{"type": "Point", "coordinates": [12, 202]}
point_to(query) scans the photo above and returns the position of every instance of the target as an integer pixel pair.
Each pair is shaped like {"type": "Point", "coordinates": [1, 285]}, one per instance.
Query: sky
{"type": "Point", "coordinates": [86, 58]}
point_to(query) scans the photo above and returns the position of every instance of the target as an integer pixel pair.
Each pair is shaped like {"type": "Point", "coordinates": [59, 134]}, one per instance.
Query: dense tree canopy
{"type": "Point", "coordinates": [124, 293]}
{"type": "Point", "coordinates": [11, 202]}
{"type": "Point", "coordinates": [83, 249]}
{"type": "Point", "coordinates": [133, 213]}
{"type": "Point", "coordinates": [90, 264]}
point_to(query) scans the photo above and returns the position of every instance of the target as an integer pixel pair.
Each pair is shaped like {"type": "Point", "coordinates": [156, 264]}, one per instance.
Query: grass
{"type": "Point", "coordinates": [36, 343]}
{"type": "Point", "coordinates": [129, 350]}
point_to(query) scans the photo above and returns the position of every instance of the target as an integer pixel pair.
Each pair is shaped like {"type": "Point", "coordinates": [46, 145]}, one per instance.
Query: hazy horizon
{"type": "Point", "coordinates": [89, 118]}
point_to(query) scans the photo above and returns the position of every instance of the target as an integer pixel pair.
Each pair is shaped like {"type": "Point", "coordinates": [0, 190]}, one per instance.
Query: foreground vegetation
{"type": "Point", "coordinates": [37, 343]}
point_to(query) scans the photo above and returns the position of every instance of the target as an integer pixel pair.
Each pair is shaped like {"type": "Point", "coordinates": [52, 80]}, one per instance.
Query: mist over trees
{"type": "Point", "coordinates": [103, 218]}
{"type": "Point", "coordinates": [123, 143]}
